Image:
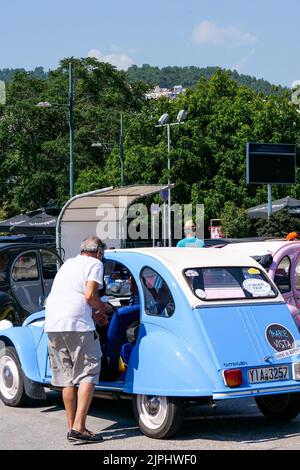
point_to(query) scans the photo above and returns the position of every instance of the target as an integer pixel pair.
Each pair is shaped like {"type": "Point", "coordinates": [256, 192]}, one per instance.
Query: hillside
{"type": "Point", "coordinates": [168, 77]}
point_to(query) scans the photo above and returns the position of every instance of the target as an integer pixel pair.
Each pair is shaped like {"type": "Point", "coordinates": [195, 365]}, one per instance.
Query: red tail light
{"type": "Point", "coordinates": [233, 377]}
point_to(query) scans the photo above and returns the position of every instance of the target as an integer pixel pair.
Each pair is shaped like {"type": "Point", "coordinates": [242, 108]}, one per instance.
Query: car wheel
{"type": "Point", "coordinates": [158, 417]}
{"type": "Point", "coordinates": [12, 391]}
{"type": "Point", "coordinates": [281, 407]}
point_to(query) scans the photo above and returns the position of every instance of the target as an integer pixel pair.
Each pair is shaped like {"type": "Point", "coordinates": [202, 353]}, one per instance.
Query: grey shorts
{"type": "Point", "coordinates": [75, 357]}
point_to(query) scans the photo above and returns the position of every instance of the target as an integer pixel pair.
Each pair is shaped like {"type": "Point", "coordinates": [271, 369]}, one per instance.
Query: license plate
{"type": "Point", "coordinates": [267, 374]}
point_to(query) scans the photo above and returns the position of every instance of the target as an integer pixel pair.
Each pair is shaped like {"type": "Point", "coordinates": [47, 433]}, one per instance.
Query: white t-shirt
{"type": "Point", "coordinates": [66, 305]}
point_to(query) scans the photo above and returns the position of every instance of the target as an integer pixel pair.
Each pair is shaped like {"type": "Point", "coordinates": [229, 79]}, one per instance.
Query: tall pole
{"type": "Point", "coordinates": [269, 200]}
{"type": "Point", "coordinates": [71, 129]}
{"type": "Point", "coordinates": [169, 189]}
{"type": "Point", "coordinates": [122, 149]}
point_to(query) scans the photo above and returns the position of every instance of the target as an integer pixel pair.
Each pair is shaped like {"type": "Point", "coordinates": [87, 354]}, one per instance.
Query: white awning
{"type": "Point", "coordinates": [81, 215]}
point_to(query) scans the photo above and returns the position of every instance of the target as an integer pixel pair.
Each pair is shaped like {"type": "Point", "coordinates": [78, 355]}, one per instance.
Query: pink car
{"type": "Point", "coordinates": [281, 259]}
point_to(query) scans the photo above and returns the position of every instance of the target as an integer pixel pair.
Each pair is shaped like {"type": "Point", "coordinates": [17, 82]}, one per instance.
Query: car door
{"type": "Point", "coordinates": [49, 265]}
{"type": "Point", "coordinates": [26, 281]}
{"type": "Point", "coordinates": [296, 288]}
{"type": "Point", "coordinates": [287, 279]}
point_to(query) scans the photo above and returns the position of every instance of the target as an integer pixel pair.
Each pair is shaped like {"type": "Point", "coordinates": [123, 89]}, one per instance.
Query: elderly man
{"type": "Point", "coordinates": [74, 348]}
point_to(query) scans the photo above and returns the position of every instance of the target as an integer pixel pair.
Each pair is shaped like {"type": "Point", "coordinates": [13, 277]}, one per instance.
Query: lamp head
{"type": "Point", "coordinates": [44, 104]}
{"type": "Point", "coordinates": [181, 115]}
{"type": "Point", "coordinates": [164, 119]}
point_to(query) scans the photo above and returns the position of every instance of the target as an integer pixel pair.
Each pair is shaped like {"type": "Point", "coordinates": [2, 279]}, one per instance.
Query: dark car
{"type": "Point", "coordinates": [27, 271]}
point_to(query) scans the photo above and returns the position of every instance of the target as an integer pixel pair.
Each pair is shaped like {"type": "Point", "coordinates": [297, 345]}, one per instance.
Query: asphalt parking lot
{"type": "Point", "coordinates": [234, 425]}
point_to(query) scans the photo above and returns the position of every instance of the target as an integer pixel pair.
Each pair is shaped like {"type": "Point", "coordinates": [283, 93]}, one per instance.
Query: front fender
{"type": "Point", "coordinates": [161, 363]}
{"type": "Point", "coordinates": [21, 338]}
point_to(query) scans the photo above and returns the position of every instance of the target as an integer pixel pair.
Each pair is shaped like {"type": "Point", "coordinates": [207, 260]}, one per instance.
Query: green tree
{"type": "Point", "coordinates": [235, 222]}
{"type": "Point", "coordinates": [279, 224]}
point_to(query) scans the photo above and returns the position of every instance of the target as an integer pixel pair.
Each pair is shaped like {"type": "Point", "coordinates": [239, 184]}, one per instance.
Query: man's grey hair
{"type": "Point", "coordinates": [91, 245]}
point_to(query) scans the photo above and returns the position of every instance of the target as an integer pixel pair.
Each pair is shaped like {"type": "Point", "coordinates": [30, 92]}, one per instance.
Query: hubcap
{"type": "Point", "coordinates": [153, 410]}
{"type": "Point", "coordinates": [152, 405]}
{"type": "Point", "coordinates": [9, 377]}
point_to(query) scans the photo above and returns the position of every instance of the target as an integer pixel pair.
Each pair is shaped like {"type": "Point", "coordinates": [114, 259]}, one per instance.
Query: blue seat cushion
{"type": "Point", "coordinates": [116, 334]}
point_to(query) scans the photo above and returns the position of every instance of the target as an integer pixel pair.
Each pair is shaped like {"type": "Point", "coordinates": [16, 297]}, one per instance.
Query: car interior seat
{"type": "Point", "coordinates": [116, 335]}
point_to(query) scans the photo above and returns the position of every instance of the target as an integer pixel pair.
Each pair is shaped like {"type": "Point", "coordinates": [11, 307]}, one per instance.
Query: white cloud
{"type": "Point", "coordinates": [121, 61]}
{"type": "Point", "coordinates": [209, 33]}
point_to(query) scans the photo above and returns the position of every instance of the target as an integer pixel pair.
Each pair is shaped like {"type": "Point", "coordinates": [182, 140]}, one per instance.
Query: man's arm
{"type": "Point", "coordinates": [92, 297]}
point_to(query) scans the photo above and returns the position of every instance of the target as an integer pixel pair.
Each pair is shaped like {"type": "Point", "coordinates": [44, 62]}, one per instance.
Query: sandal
{"type": "Point", "coordinates": [86, 436]}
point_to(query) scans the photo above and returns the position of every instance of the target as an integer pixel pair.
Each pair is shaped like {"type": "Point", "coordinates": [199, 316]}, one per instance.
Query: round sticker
{"type": "Point", "coordinates": [191, 273]}
{"type": "Point", "coordinates": [257, 287]}
{"type": "Point", "coordinates": [279, 337]}
{"type": "Point", "coordinates": [200, 293]}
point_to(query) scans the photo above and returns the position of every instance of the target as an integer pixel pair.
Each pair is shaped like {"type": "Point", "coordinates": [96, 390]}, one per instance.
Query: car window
{"type": "Point", "coordinates": [297, 275]}
{"type": "Point", "coordinates": [222, 283]}
{"type": "Point", "coordinates": [282, 275]}
{"type": "Point", "coordinates": [118, 279]}
{"type": "Point", "coordinates": [25, 268]}
{"type": "Point", "coordinates": [50, 264]}
{"type": "Point", "coordinates": [3, 266]}
{"type": "Point", "coordinates": [158, 298]}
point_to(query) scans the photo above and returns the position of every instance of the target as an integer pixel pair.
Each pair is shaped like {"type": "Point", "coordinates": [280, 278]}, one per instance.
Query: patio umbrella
{"type": "Point", "coordinates": [8, 224]}
{"type": "Point", "coordinates": [261, 211]}
{"type": "Point", "coordinates": [41, 223]}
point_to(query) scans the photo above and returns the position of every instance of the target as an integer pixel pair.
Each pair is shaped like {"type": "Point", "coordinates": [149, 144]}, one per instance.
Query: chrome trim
{"type": "Point", "coordinates": [258, 391]}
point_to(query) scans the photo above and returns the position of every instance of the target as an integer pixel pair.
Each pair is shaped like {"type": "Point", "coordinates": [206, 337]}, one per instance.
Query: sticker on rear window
{"type": "Point", "coordinates": [200, 293]}
{"type": "Point", "coordinates": [191, 273]}
{"type": "Point", "coordinates": [253, 271]}
{"type": "Point", "coordinates": [257, 287]}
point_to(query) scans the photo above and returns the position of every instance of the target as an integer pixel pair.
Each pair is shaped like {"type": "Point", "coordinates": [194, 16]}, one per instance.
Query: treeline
{"type": "Point", "coordinates": [7, 75]}
{"type": "Point", "coordinates": [168, 77]}
{"type": "Point", "coordinates": [207, 153]}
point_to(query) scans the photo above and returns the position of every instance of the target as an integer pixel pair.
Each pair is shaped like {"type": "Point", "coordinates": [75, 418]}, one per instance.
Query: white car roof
{"type": "Point", "coordinates": [178, 259]}
{"type": "Point", "coordinates": [256, 248]}
{"type": "Point", "coordinates": [181, 258]}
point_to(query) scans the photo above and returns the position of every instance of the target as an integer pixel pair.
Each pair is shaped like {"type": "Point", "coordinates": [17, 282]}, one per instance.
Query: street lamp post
{"type": "Point", "coordinates": [122, 149]}
{"type": "Point", "coordinates": [110, 144]}
{"type": "Point", "coordinates": [69, 105]}
{"type": "Point", "coordinates": [164, 122]}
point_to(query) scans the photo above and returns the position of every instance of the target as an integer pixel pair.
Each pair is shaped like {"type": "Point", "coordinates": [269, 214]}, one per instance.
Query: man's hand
{"type": "Point", "coordinates": [100, 318]}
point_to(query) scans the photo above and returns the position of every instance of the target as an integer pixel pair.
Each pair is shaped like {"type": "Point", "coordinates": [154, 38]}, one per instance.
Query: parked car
{"type": "Point", "coordinates": [27, 271]}
{"type": "Point", "coordinates": [212, 326]}
{"type": "Point", "coordinates": [281, 259]}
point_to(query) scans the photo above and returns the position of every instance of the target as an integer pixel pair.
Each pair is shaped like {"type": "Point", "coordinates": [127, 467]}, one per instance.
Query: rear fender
{"type": "Point", "coordinates": [161, 363]}
{"type": "Point", "coordinates": [22, 340]}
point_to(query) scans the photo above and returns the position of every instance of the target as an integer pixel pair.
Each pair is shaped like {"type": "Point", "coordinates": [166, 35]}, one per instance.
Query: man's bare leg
{"type": "Point", "coordinates": [69, 395]}
{"type": "Point", "coordinates": [84, 398]}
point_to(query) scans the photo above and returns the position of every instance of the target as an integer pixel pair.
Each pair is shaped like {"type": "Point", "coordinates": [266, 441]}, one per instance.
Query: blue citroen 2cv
{"type": "Point", "coordinates": [212, 326]}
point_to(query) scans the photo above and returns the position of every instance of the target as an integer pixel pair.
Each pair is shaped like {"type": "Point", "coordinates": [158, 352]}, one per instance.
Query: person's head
{"type": "Point", "coordinates": [293, 236]}
{"type": "Point", "coordinates": [189, 228]}
{"type": "Point", "coordinates": [92, 246]}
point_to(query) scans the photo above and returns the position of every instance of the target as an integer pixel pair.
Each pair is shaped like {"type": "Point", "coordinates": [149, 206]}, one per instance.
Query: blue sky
{"type": "Point", "coordinates": [255, 37]}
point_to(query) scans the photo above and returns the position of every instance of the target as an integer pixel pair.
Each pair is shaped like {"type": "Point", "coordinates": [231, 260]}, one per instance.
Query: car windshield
{"type": "Point", "coordinates": [225, 283]}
